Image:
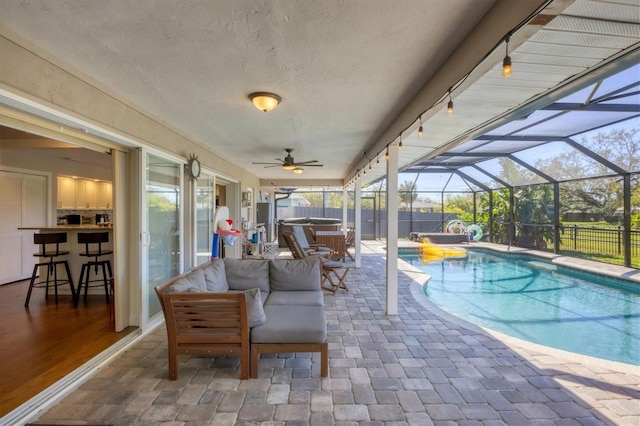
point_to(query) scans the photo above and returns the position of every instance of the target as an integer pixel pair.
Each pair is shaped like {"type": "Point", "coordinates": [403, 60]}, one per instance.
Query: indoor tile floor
{"type": "Point", "coordinates": [420, 367]}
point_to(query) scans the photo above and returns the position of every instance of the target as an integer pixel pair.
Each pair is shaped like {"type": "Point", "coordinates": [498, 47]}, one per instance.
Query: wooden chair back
{"type": "Point", "coordinates": [203, 324]}
{"type": "Point", "coordinates": [98, 238]}
{"type": "Point", "coordinates": [350, 238]}
{"type": "Point", "coordinates": [292, 244]}
{"type": "Point", "coordinates": [300, 236]}
{"type": "Point", "coordinates": [45, 239]}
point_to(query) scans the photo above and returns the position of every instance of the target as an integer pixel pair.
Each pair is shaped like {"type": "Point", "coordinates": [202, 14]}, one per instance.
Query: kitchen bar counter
{"type": "Point", "coordinates": [68, 228]}
{"type": "Point", "coordinates": [74, 249]}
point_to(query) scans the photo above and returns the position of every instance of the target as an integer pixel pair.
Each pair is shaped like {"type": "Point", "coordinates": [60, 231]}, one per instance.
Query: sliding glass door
{"type": "Point", "coordinates": [163, 226]}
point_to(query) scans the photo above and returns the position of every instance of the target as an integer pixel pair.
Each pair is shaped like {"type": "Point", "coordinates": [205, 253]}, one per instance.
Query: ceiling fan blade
{"type": "Point", "coordinates": [311, 165]}
{"type": "Point", "coordinates": [270, 163]}
{"type": "Point", "coordinates": [304, 163]}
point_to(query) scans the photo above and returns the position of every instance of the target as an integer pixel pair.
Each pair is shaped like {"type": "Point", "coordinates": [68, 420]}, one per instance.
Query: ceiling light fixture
{"type": "Point", "coordinates": [298, 170]}
{"type": "Point", "coordinates": [377, 160]}
{"type": "Point", "coordinates": [420, 130]}
{"type": "Point", "coordinates": [287, 166]}
{"type": "Point", "coordinates": [386, 154]}
{"type": "Point", "coordinates": [400, 144]}
{"type": "Point", "coordinates": [450, 104]}
{"type": "Point", "coordinates": [265, 101]}
{"type": "Point", "coordinates": [506, 62]}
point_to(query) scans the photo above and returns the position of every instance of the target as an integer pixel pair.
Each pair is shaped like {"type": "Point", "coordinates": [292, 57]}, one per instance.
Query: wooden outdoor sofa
{"type": "Point", "coordinates": [245, 308]}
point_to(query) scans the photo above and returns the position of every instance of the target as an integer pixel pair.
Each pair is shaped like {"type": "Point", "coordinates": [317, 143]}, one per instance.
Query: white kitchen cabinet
{"type": "Point", "coordinates": [86, 194]}
{"type": "Point", "coordinates": [104, 195]}
{"type": "Point", "coordinates": [66, 193]}
{"type": "Point", "coordinates": [23, 202]}
{"type": "Point", "coordinates": [83, 194]}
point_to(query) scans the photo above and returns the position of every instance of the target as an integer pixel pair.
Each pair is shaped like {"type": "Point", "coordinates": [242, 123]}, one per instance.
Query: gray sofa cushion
{"type": "Point", "coordinates": [191, 282]}
{"type": "Point", "coordinates": [295, 274]}
{"type": "Point", "coordinates": [293, 324]}
{"type": "Point", "coordinates": [299, 298]}
{"type": "Point", "coordinates": [255, 312]}
{"type": "Point", "coordinates": [215, 276]}
{"type": "Point", "coordinates": [247, 274]}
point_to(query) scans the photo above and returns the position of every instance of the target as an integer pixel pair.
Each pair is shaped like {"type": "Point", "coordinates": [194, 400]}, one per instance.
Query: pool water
{"type": "Point", "coordinates": [537, 301]}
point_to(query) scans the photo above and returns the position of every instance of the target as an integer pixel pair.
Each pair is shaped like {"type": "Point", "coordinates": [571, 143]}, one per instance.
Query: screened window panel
{"type": "Point", "coordinates": [594, 199]}
{"type": "Point", "coordinates": [480, 177]}
{"type": "Point", "coordinates": [516, 125]}
{"type": "Point", "coordinates": [622, 79]}
{"type": "Point", "coordinates": [576, 122]}
{"type": "Point", "coordinates": [510, 171]}
{"type": "Point", "coordinates": [468, 146]}
{"type": "Point", "coordinates": [580, 97]}
{"type": "Point", "coordinates": [562, 162]}
{"type": "Point", "coordinates": [628, 97]}
{"type": "Point", "coordinates": [507, 146]}
{"type": "Point", "coordinates": [432, 181]}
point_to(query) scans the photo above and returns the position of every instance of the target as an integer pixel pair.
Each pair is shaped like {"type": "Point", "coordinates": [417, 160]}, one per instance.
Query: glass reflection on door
{"type": "Point", "coordinates": [205, 208]}
{"type": "Point", "coordinates": [163, 225]}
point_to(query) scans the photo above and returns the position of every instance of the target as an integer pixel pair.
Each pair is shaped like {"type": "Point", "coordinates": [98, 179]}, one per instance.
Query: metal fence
{"type": "Point", "coordinates": [599, 240]}
{"type": "Point", "coordinates": [589, 241]}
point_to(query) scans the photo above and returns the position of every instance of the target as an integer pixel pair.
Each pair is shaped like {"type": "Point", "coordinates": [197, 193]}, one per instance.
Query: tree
{"type": "Point", "coordinates": [158, 202]}
{"type": "Point", "coordinates": [533, 206]}
{"type": "Point", "coordinates": [590, 185]}
{"type": "Point", "coordinates": [335, 200]}
{"type": "Point", "coordinates": [407, 193]}
{"type": "Point", "coordinates": [315, 198]}
{"type": "Point", "coordinates": [460, 204]}
{"type": "Point", "coordinates": [499, 213]}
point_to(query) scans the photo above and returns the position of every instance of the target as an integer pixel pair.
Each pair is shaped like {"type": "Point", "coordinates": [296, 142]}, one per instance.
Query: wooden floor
{"type": "Point", "coordinates": [41, 344]}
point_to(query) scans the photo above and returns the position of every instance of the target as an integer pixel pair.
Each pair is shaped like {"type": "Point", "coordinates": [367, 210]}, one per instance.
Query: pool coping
{"type": "Point", "coordinates": [599, 268]}
{"type": "Point", "coordinates": [420, 278]}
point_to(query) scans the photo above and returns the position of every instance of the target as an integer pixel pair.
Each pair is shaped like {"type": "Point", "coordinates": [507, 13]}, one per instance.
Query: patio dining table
{"type": "Point", "coordinates": [335, 240]}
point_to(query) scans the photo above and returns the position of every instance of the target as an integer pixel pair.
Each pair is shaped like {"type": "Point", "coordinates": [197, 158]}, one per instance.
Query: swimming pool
{"type": "Point", "coordinates": [537, 301]}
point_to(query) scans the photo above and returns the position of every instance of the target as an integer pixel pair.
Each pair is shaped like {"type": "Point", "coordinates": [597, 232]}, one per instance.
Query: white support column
{"type": "Point", "coordinates": [392, 231]}
{"type": "Point", "coordinates": [345, 210]}
{"type": "Point", "coordinates": [358, 222]}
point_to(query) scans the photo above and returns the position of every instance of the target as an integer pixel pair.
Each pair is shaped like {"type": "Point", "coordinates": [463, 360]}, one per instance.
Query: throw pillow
{"type": "Point", "coordinates": [245, 274]}
{"type": "Point", "coordinates": [192, 282]}
{"type": "Point", "coordinates": [215, 276]}
{"type": "Point", "coordinates": [255, 311]}
{"type": "Point", "coordinates": [295, 274]}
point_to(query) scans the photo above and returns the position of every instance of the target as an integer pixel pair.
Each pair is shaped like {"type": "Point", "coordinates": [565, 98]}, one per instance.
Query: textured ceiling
{"type": "Point", "coordinates": [345, 69]}
{"type": "Point", "coordinates": [351, 73]}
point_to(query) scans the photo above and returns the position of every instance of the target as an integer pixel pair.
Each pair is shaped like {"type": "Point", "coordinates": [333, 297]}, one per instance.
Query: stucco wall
{"type": "Point", "coordinates": [28, 72]}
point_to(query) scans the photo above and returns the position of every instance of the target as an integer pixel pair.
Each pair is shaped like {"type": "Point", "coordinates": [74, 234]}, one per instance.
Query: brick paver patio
{"type": "Point", "coordinates": [420, 367]}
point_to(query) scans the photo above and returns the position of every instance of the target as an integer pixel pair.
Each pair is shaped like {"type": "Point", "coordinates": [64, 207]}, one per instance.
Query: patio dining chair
{"type": "Point", "coordinates": [303, 242]}
{"type": "Point", "coordinates": [349, 241]}
{"type": "Point", "coordinates": [333, 272]}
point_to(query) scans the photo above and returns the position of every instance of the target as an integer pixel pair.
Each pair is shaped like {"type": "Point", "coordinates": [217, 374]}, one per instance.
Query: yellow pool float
{"type": "Point", "coordinates": [432, 253]}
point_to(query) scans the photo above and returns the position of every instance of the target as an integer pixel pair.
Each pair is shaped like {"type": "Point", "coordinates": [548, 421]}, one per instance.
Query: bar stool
{"type": "Point", "coordinates": [96, 253]}
{"type": "Point", "coordinates": [52, 265]}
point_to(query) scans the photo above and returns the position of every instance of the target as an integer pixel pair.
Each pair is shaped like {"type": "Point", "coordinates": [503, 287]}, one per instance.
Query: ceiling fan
{"type": "Point", "coordinates": [288, 163]}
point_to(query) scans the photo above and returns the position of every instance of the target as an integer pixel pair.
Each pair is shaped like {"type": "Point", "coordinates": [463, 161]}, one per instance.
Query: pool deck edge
{"type": "Point", "coordinates": [420, 279]}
